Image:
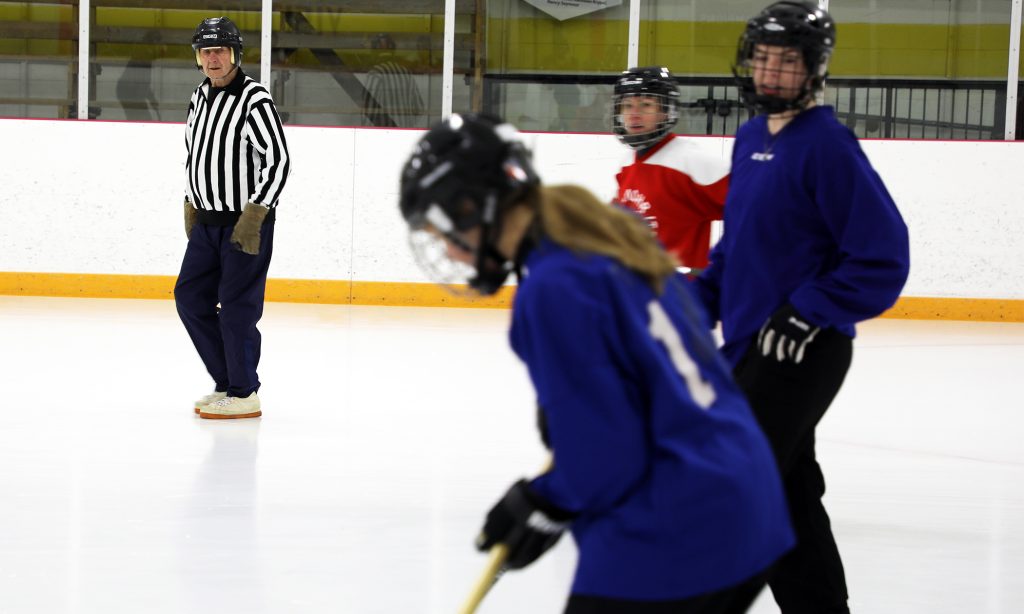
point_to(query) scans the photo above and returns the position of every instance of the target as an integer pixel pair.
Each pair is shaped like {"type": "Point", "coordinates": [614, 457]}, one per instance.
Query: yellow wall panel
{"type": "Point", "coordinates": [529, 45]}
{"type": "Point", "coordinates": [970, 51]}
{"type": "Point", "coordinates": [247, 21]}
{"type": "Point", "coordinates": [891, 36]}
{"type": "Point", "coordinates": [36, 12]}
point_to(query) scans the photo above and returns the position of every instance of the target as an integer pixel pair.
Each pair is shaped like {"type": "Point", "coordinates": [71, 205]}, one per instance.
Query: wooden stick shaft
{"type": "Point", "coordinates": [494, 564]}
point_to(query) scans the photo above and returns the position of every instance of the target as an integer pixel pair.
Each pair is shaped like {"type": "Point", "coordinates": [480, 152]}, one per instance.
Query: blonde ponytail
{"type": "Point", "coordinates": [573, 217]}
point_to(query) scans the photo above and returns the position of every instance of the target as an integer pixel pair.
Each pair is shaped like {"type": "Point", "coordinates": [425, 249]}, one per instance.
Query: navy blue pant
{"type": "Point", "coordinates": [214, 271]}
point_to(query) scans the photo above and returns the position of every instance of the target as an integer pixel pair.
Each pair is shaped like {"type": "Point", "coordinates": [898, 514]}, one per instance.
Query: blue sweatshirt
{"type": "Point", "coordinates": [808, 221]}
{"type": "Point", "coordinates": [655, 449]}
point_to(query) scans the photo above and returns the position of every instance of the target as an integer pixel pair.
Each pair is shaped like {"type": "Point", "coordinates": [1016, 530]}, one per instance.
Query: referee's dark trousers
{"type": "Point", "coordinates": [214, 271]}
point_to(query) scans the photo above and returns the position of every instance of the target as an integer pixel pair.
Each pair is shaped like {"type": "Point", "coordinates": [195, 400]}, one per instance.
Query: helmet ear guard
{"type": "Point", "coordinates": [199, 61]}
{"type": "Point", "coordinates": [218, 32]}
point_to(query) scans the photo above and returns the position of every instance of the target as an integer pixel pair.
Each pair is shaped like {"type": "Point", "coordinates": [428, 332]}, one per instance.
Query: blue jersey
{"type": "Point", "coordinates": [655, 449]}
{"type": "Point", "coordinates": [807, 221]}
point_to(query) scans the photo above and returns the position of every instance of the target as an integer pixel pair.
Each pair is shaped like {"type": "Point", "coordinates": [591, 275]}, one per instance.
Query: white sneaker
{"type": "Point", "coordinates": [232, 407]}
{"type": "Point", "coordinates": [213, 397]}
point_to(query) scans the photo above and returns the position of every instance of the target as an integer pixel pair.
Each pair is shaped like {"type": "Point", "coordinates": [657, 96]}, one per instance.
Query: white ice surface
{"type": "Point", "coordinates": [387, 434]}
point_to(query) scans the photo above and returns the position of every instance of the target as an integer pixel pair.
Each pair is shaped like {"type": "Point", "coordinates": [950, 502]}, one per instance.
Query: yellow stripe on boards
{"type": "Point", "coordinates": [323, 291]}
{"type": "Point", "coordinates": [87, 285]}
{"type": "Point", "coordinates": [976, 309]}
{"type": "Point", "coordinates": [400, 294]}
{"type": "Point", "coordinates": [405, 294]}
{"type": "Point", "coordinates": [423, 295]}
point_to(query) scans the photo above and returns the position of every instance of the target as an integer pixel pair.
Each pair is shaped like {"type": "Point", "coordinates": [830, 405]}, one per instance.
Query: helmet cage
{"type": "Point", "coordinates": [653, 81]}
{"type": "Point", "coordinates": [668, 105]}
{"type": "Point", "coordinates": [464, 173]}
{"type": "Point", "coordinates": [797, 25]}
{"type": "Point", "coordinates": [431, 255]}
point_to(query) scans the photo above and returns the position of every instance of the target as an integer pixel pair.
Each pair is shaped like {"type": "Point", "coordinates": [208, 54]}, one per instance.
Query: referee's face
{"type": "Point", "coordinates": [216, 61]}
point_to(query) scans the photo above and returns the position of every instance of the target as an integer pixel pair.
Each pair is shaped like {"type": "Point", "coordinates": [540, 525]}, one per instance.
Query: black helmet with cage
{"type": "Point", "coordinates": [653, 81]}
{"type": "Point", "coordinates": [791, 23]}
{"type": "Point", "coordinates": [218, 32]}
{"type": "Point", "coordinates": [464, 174]}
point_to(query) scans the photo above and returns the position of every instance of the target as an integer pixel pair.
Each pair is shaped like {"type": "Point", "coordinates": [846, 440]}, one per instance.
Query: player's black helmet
{"type": "Point", "coordinates": [791, 23]}
{"type": "Point", "coordinates": [653, 81]}
{"type": "Point", "coordinates": [464, 174]}
{"type": "Point", "coordinates": [218, 32]}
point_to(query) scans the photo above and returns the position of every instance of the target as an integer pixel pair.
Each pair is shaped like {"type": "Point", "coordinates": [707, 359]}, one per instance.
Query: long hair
{"type": "Point", "coordinates": [573, 217]}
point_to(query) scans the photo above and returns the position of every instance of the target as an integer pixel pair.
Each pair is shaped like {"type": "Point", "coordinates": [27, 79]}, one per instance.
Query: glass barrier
{"type": "Point", "coordinates": [696, 40]}
{"type": "Point", "coordinates": [142, 57]}
{"type": "Point", "coordinates": [358, 63]}
{"type": "Point", "coordinates": [902, 69]}
{"type": "Point", "coordinates": [515, 44]}
{"type": "Point", "coordinates": [928, 70]}
{"type": "Point", "coordinates": [39, 59]}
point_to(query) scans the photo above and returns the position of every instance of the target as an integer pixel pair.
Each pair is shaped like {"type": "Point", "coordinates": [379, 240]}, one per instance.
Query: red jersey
{"type": "Point", "coordinates": [679, 191]}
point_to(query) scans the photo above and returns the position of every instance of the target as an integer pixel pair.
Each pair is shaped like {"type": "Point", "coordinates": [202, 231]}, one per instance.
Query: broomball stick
{"type": "Point", "coordinates": [493, 570]}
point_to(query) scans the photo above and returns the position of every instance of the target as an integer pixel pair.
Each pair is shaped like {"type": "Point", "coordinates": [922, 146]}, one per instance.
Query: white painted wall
{"type": "Point", "coordinates": [105, 197]}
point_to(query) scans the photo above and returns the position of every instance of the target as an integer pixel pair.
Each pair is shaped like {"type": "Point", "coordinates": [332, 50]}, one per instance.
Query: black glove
{"type": "Point", "coordinates": [526, 523]}
{"type": "Point", "coordinates": [786, 335]}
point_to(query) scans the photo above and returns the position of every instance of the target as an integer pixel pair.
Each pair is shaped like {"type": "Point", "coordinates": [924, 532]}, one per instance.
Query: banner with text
{"type": "Point", "coordinates": [567, 9]}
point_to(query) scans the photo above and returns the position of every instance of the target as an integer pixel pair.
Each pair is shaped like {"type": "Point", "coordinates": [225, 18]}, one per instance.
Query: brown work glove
{"type": "Point", "coordinates": [190, 218]}
{"type": "Point", "coordinates": [246, 235]}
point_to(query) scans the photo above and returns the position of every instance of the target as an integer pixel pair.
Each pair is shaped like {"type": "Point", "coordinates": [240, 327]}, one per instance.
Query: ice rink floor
{"type": "Point", "coordinates": [388, 432]}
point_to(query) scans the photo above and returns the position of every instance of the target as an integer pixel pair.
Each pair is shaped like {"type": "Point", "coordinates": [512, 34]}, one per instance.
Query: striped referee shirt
{"type": "Point", "coordinates": [398, 101]}
{"type": "Point", "coordinates": [236, 149]}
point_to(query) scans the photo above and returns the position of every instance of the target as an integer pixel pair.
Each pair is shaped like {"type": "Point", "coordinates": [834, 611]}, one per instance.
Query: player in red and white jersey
{"type": "Point", "coordinates": [678, 189]}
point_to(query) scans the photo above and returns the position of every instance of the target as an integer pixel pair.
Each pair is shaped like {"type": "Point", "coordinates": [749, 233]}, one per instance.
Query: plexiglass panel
{"type": "Point", "coordinates": [696, 40]}
{"type": "Point", "coordinates": [901, 68]}
{"type": "Point", "coordinates": [358, 63]}
{"type": "Point", "coordinates": [142, 58]}
{"type": "Point", "coordinates": [542, 69]}
{"type": "Point", "coordinates": [39, 59]}
{"type": "Point", "coordinates": [909, 69]}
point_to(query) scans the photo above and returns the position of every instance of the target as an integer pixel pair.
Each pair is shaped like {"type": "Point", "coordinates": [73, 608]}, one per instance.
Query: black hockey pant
{"type": "Point", "coordinates": [788, 401]}
{"type": "Point", "coordinates": [733, 600]}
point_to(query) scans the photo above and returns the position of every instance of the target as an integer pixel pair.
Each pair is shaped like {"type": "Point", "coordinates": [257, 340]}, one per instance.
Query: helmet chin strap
{"type": "Point", "coordinates": [492, 267]}
{"type": "Point", "coordinates": [527, 245]}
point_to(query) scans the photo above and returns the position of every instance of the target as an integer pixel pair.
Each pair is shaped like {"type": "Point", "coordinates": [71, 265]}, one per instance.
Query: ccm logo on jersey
{"type": "Point", "coordinates": [762, 157]}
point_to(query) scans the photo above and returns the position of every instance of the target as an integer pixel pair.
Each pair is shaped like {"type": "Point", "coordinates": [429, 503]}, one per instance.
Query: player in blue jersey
{"type": "Point", "coordinates": [813, 244]}
{"type": "Point", "coordinates": [660, 469]}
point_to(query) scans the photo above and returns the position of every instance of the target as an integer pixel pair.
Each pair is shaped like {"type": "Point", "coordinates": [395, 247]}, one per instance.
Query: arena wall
{"type": "Point", "coordinates": [94, 209]}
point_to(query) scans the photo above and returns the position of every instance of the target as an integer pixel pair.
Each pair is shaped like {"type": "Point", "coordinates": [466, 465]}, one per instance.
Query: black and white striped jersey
{"type": "Point", "coordinates": [392, 98]}
{"type": "Point", "coordinates": [236, 147]}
